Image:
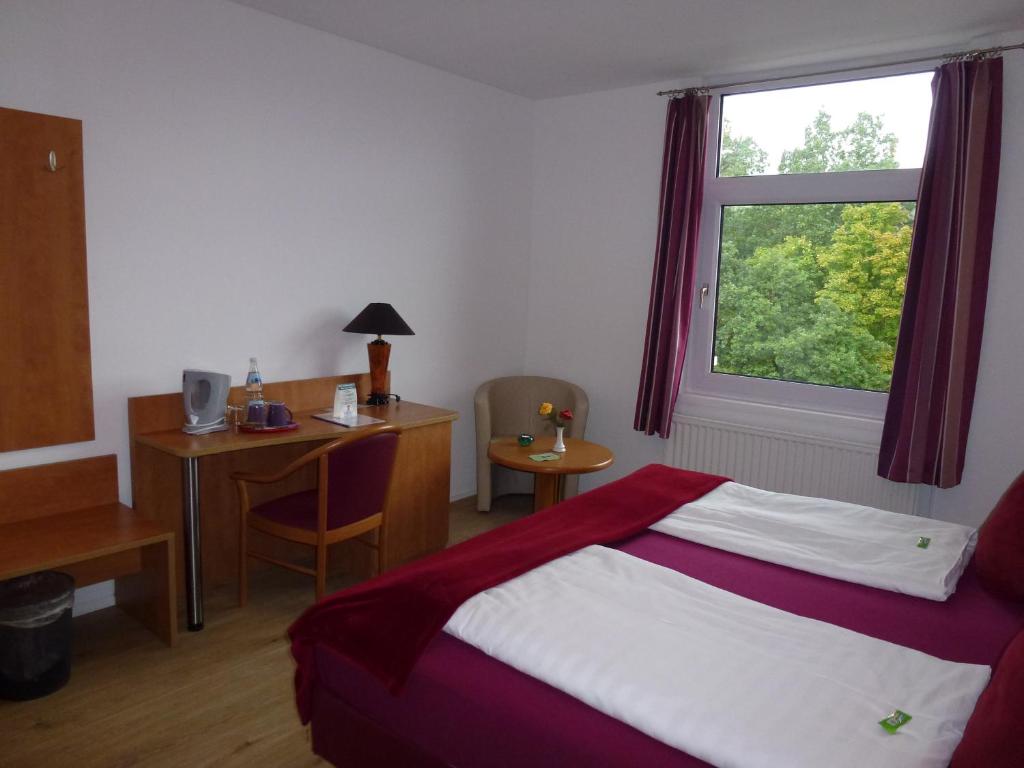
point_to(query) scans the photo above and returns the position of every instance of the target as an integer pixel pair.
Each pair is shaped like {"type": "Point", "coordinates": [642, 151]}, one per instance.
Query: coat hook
{"type": "Point", "coordinates": [53, 161]}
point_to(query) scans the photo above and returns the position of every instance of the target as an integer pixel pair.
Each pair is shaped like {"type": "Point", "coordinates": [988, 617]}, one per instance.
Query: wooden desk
{"type": "Point", "coordinates": [167, 466]}
{"type": "Point", "coordinates": [579, 458]}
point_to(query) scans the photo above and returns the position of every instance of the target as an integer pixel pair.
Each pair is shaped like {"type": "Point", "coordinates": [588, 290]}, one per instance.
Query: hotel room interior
{"type": "Point", "coordinates": [759, 264]}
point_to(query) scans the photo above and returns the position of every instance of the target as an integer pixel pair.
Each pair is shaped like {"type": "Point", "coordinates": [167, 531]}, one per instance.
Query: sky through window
{"type": "Point", "coordinates": [776, 119]}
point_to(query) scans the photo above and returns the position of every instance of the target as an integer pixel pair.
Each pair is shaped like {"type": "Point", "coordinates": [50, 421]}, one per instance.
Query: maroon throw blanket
{"type": "Point", "coordinates": [384, 624]}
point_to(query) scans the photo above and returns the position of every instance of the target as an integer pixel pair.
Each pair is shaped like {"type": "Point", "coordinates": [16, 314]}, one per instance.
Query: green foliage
{"type": "Point", "coordinates": [752, 226]}
{"type": "Point", "coordinates": [813, 292]}
{"type": "Point", "coordinates": [866, 266]}
{"type": "Point", "coordinates": [771, 295]}
{"type": "Point", "coordinates": [861, 146]}
{"type": "Point", "coordinates": [834, 350]}
{"type": "Point", "coordinates": [740, 156]}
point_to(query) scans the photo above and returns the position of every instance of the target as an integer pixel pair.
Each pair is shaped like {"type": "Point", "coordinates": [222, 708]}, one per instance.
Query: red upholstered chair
{"type": "Point", "coordinates": [353, 480]}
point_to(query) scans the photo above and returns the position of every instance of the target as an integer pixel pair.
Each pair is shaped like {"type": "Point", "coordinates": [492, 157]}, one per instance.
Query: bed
{"type": "Point", "coordinates": [460, 707]}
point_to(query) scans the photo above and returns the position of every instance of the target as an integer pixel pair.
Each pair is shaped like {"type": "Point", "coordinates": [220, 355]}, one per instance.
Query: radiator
{"type": "Point", "coordinates": [791, 463]}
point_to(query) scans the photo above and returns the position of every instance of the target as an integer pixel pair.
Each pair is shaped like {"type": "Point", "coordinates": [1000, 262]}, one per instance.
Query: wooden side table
{"type": "Point", "coordinates": [580, 457]}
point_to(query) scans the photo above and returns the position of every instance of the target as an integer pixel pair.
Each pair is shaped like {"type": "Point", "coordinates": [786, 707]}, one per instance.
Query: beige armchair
{"type": "Point", "coordinates": [507, 407]}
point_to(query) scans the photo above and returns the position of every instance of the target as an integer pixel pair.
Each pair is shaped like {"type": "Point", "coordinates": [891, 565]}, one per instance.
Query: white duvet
{"type": "Point", "coordinates": [831, 538]}
{"type": "Point", "coordinates": [726, 679]}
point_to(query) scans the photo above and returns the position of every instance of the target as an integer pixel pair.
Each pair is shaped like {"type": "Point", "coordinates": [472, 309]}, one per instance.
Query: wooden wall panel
{"type": "Point", "coordinates": [46, 386]}
{"type": "Point", "coordinates": [48, 489]}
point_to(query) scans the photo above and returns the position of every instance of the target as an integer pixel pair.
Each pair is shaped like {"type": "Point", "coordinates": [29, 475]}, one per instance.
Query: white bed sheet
{"type": "Point", "coordinates": [726, 679]}
{"type": "Point", "coordinates": [845, 541]}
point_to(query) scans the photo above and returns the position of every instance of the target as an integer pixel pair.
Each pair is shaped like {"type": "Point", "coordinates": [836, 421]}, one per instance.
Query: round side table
{"type": "Point", "coordinates": [580, 457]}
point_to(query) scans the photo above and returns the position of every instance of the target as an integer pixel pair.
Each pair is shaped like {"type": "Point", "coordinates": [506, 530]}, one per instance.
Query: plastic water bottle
{"type": "Point", "coordinates": [254, 383]}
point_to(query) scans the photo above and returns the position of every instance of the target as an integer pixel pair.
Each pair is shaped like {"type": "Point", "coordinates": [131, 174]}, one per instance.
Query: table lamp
{"type": "Point", "coordinates": [379, 318]}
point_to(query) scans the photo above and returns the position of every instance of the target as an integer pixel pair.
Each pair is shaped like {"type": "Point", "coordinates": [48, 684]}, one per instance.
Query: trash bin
{"type": "Point", "coordinates": [35, 634]}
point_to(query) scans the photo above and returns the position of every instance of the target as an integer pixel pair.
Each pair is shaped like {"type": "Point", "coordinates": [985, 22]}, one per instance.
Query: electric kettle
{"type": "Point", "coordinates": [206, 396]}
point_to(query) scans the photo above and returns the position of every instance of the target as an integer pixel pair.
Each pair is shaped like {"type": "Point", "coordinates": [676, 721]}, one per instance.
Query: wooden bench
{"type": "Point", "coordinates": [67, 517]}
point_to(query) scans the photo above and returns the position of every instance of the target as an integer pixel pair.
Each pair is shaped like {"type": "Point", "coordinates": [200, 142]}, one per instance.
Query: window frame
{"type": "Point", "coordinates": [890, 185]}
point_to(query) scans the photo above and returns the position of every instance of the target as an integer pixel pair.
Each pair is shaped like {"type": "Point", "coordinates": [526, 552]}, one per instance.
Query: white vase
{"type": "Point", "coordinates": [559, 446]}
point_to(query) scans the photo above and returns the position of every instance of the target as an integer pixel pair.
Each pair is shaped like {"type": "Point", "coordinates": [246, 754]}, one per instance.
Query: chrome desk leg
{"type": "Point", "coordinates": [193, 550]}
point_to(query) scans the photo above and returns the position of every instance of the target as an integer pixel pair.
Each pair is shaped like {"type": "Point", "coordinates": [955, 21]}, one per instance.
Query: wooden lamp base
{"type": "Point", "coordinates": [379, 352]}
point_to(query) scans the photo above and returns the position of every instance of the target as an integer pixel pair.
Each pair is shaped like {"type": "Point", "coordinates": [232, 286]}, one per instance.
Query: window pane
{"type": "Point", "coordinates": [812, 293]}
{"type": "Point", "coordinates": [854, 126]}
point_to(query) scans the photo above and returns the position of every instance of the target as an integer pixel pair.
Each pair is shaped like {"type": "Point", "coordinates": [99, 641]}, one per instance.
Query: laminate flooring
{"type": "Point", "coordinates": [222, 697]}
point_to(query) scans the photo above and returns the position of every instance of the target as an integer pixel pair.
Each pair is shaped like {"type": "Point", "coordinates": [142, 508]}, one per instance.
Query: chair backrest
{"type": "Point", "coordinates": [358, 477]}
{"type": "Point", "coordinates": [513, 402]}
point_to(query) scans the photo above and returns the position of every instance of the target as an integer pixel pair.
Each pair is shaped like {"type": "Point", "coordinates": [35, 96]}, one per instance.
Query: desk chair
{"type": "Point", "coordinates": [353, 479]}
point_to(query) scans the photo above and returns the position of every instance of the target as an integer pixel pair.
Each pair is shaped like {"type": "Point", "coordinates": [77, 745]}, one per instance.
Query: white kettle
{"type": "Point", "coordinates": [206, 397]}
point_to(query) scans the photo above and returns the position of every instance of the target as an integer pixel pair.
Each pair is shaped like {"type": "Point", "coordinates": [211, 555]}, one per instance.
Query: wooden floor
{"type": "Point", "coordinates": [223, 697]}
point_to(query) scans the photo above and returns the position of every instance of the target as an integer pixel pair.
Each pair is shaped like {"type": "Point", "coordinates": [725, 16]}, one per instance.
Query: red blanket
{"type": "Point", "coordinates": [384, 624]}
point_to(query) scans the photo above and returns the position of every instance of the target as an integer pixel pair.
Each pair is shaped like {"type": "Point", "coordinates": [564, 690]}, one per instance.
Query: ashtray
{"type": "Point", "coordinates": [525, 439]}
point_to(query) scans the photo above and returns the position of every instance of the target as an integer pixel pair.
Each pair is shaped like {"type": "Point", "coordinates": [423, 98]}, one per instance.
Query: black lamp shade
{"type": "Point", "coordinates": [379, 318]}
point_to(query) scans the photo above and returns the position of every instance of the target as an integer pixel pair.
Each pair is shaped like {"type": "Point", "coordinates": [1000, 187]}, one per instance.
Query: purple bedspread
{"type": "Point", "coordinates": [469, 710]}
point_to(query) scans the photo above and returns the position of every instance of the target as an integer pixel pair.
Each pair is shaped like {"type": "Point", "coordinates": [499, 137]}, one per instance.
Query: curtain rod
{"type": "Point", "coordinates": [980, 53]}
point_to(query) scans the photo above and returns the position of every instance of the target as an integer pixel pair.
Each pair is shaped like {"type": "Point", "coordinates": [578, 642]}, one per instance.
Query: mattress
{"type": "Point", "coordinates": [462, 708]}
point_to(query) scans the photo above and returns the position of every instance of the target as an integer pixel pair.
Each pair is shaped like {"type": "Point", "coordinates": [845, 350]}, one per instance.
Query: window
{"type": "Point", "coordinates": [807, 218]}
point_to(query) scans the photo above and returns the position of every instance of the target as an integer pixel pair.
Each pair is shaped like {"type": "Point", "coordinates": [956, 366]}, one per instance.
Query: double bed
{"type": "Point", "coordinates": [458, 706]}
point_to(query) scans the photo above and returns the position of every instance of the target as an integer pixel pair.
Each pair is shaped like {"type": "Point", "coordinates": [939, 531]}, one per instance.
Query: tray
{"type": "Point", "coordinates": [246, 427]}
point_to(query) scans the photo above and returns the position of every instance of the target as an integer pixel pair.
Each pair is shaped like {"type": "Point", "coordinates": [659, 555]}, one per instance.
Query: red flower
{"type": "Point", "coordinates": [565, 415]}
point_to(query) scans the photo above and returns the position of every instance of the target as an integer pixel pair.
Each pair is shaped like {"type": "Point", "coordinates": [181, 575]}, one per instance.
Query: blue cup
{"type": "Point", "coordinates": [278, 414]}
{"type": "Point", "coordinates": [256, 413]}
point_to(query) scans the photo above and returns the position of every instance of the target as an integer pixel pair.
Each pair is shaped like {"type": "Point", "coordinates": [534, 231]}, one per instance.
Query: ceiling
{"type": "Point", "coordinates": [545, 48]}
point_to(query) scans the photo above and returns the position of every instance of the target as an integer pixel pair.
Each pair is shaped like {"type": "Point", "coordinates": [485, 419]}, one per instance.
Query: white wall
{"type": "Point", "coordinates": [251, 184]}
{"type": "Point", "coordinates": [597, 167]}
{"type": "Point", "coordinates": [596, 171]}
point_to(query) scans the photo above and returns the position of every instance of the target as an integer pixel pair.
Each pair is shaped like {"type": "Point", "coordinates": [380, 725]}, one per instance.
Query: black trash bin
{"type": "Point", "coordinates": [35, 634]}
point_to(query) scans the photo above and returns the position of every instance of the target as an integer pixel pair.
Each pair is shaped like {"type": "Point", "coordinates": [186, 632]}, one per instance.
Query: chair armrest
{"type": "Point", "coordinates": [482, 416]}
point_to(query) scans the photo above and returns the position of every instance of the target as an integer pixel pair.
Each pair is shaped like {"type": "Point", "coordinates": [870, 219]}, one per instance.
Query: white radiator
{"type": "Point", "coordinates": [791, 463]}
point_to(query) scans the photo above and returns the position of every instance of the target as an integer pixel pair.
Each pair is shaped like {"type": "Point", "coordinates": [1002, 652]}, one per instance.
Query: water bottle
{"type": "Point", "coordinates": [254, 383]}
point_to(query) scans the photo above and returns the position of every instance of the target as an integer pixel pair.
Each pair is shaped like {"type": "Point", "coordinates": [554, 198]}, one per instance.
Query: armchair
{"type": "Point", "coordinates": [508, 406]}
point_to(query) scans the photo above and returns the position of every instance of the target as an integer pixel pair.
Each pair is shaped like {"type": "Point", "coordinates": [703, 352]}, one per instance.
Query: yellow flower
{"type": "Point", "coordinates": [545, 409]}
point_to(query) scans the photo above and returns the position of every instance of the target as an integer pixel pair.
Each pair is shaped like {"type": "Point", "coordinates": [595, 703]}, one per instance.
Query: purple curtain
{"type": "Point", "coordinates": [924, 439]}
{"type": "Point", "coordinates": [668, 316]}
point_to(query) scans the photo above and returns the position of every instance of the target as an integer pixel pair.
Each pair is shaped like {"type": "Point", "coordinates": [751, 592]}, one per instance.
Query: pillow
{"type": "Point", "coordinates": [994, 737]}
{"type": "Point", "coordinates": [999, 557]}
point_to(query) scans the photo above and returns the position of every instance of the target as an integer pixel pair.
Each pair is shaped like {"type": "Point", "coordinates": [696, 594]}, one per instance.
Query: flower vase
{"type": "Point", "coordinates": [559, 446]}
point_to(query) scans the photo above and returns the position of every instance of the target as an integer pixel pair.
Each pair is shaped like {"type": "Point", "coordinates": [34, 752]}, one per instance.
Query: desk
{"type": "Point", "coordinates": [579, 458]}
{"type": "Point", "coordinates": [184, 480]}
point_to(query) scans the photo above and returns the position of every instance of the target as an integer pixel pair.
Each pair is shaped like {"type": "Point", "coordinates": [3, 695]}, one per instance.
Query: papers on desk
{"type": "Point", "coordinates": [353, 420]}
